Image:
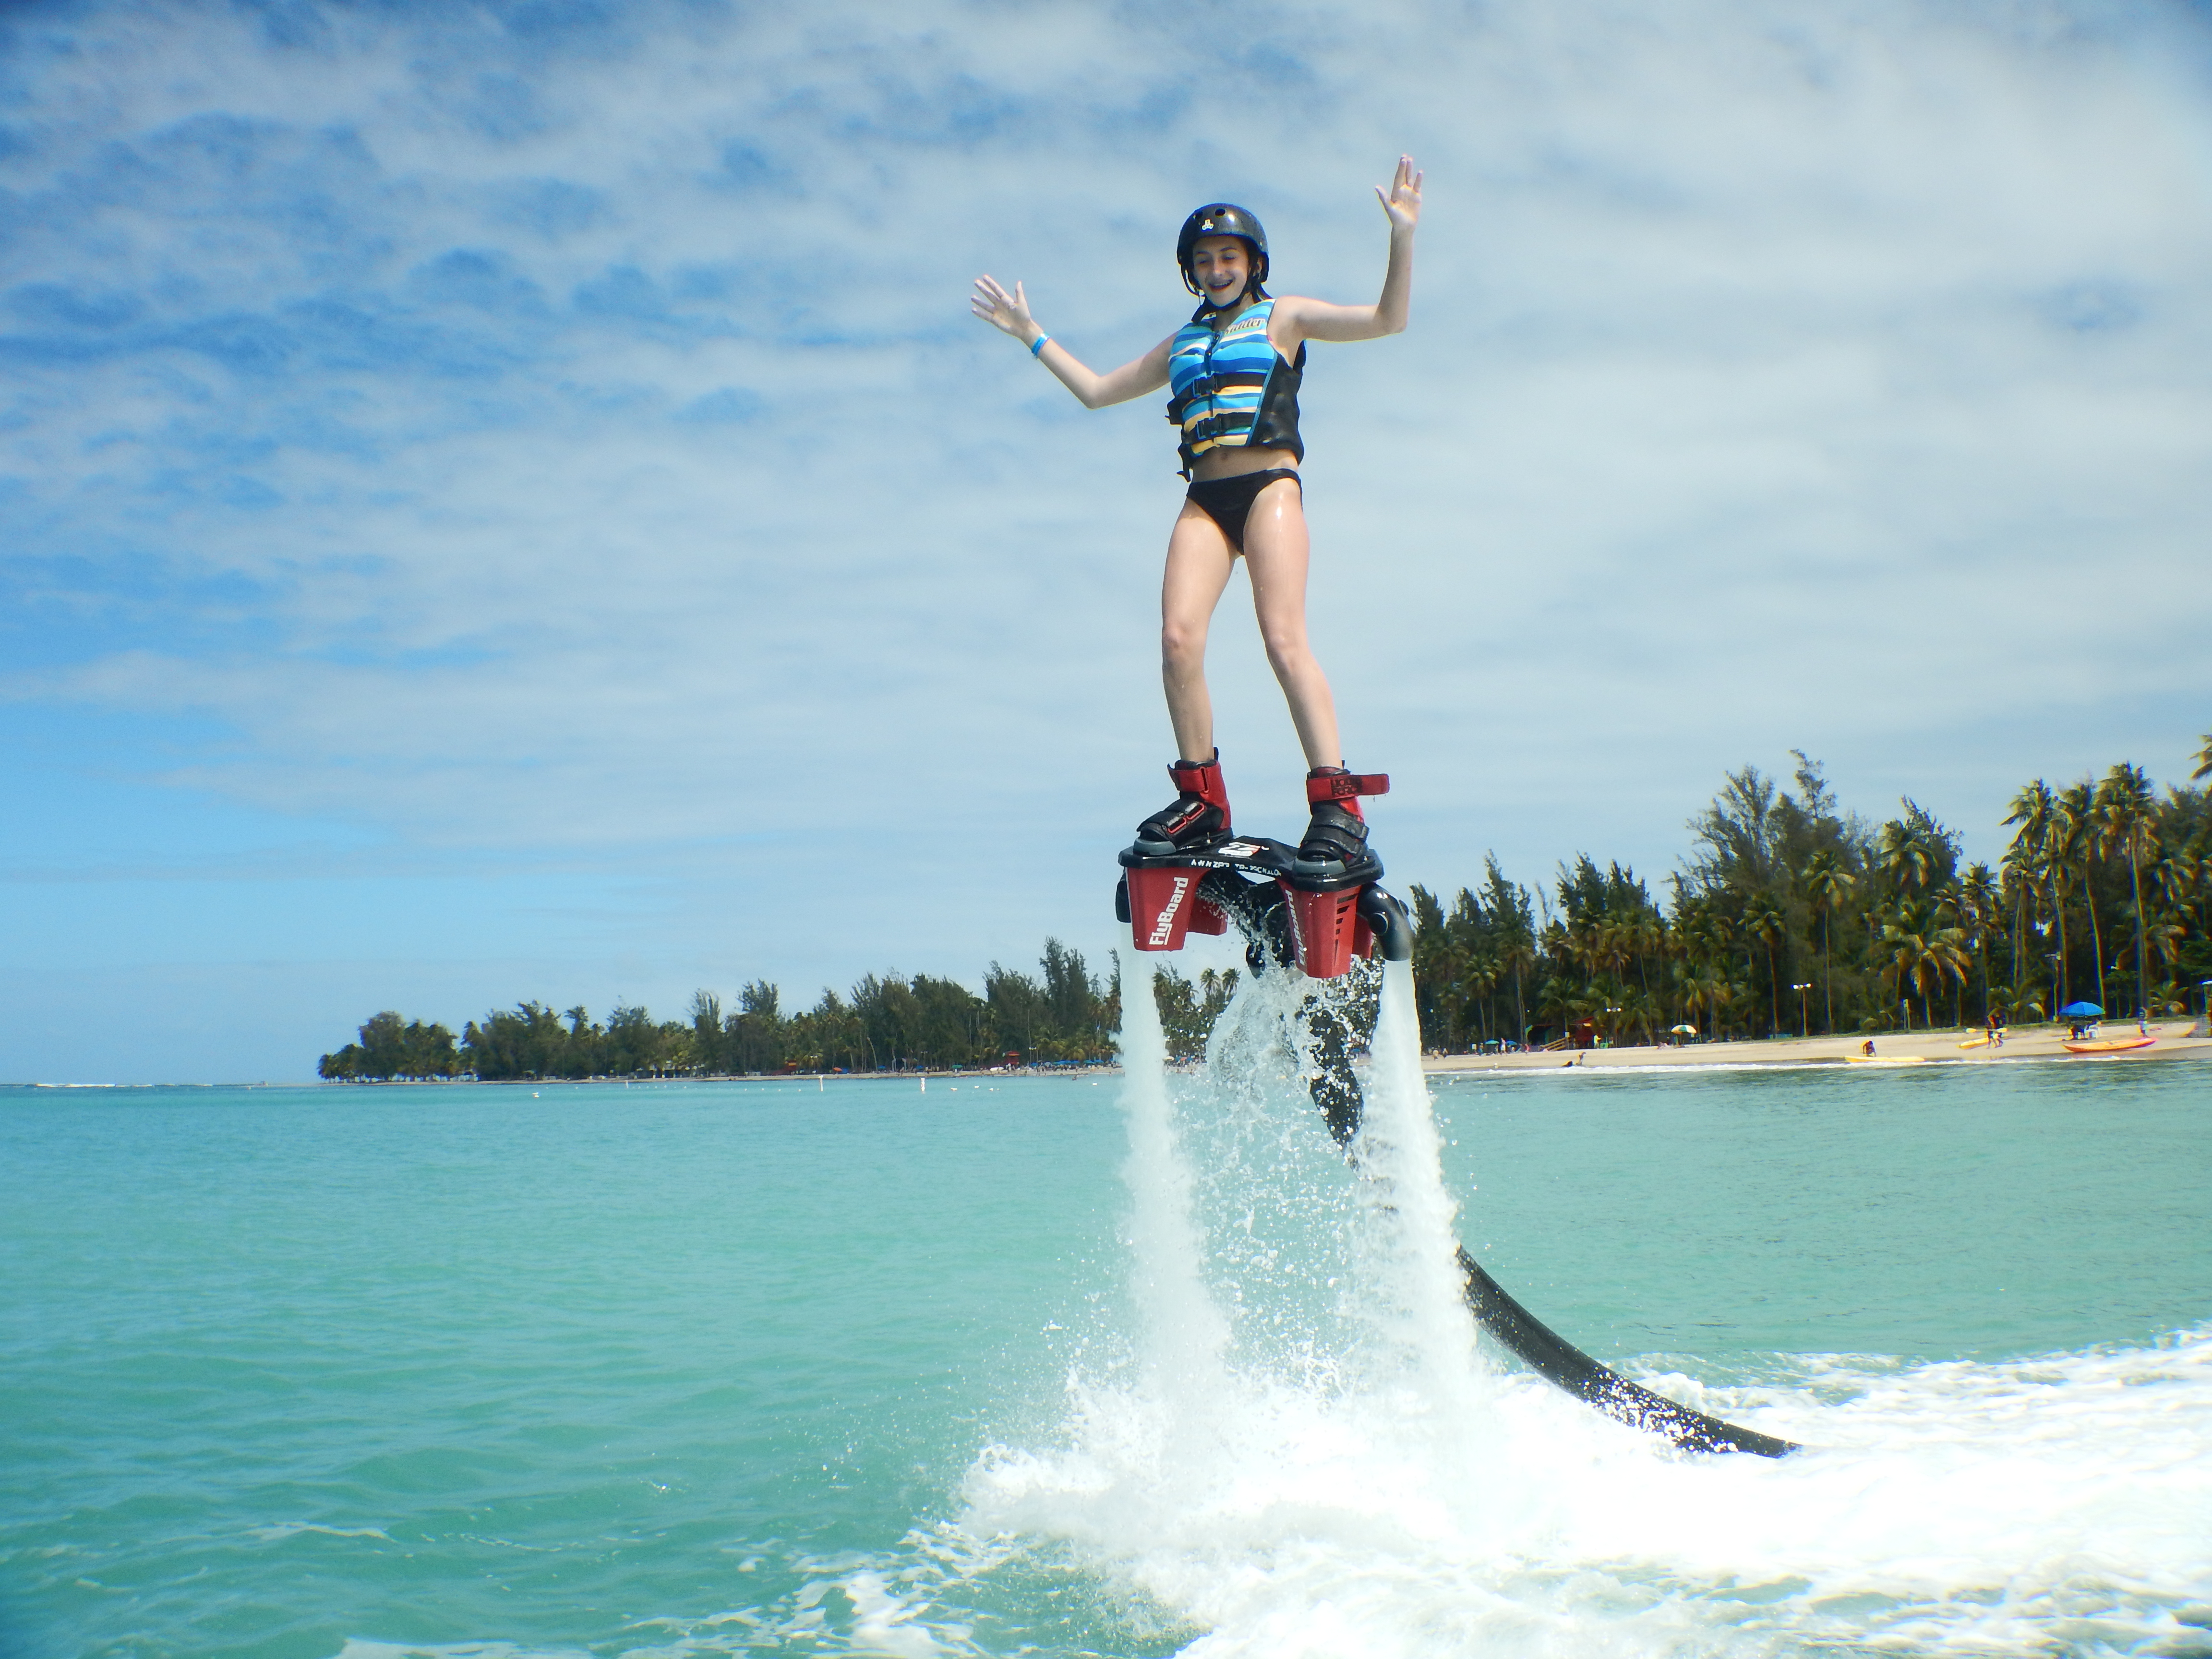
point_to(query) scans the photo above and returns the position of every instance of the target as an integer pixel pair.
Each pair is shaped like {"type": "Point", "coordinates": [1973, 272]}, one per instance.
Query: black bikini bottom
{"type": "Point", "coordinates": [1228, 502]}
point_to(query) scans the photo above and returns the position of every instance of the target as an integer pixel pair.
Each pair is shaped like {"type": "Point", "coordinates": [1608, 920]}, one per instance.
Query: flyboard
{"type": "Point", "coordinates": [1318, 917]}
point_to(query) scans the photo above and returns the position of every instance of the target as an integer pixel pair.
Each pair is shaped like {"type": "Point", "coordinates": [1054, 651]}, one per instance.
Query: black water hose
{"type": "Point", "coordinates": [1394, 928]}
{"type": "Point", "coordinates": [1559, 1361]}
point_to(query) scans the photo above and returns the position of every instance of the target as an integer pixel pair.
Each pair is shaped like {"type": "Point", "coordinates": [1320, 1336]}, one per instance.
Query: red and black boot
{"type": "Point", "coordinates": [1338, 831]}
{"type": "Point", "coordinates": [1197, 818]}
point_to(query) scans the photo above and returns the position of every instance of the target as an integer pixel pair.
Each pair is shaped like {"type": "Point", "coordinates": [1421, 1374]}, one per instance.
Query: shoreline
{"type": "Point", "coordinates": [2042, 1042]}
{"type": "Point", "coordinates": [1073, 1072]}
{"type": "Point", "coordinates": [2046, 1040]}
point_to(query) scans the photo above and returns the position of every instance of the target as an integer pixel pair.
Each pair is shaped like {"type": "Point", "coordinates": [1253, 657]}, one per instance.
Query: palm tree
{"type": "Point", "coordinates": [2035, 809]}
{"type": "Point", "coordinates": [1908, 858]}
{"type": "Point", "coordinates": [1763, 920]}
{"type": "Point", "coordinates": [1922, 953]}
{"type": "Point", "coordinates": [1517, 955]}
{"type": "Point", "coordinates": [1722, 931]}
{"type": "Point", "coordinates": [1979, 903]}
{"type": "Point", "coordinates": [1608, 942]}
{"type": "Point", "coordinates": [2022, 883]}
{"type": "Point", "coordinates": [2179, 877]}
{"type": "Point", "coordinates": [1609, 1004]}
{"type": "Point", "coordinates": [1726, 994]}
{"type": "Point", "coordinates": [1640, 1007]}
{"type": "Point", "coordinates": [2079, 840]}
{"type": "Point", "coordinates": [1950, 912]}
{"type": "Point", "coordinates": [2057, 851]}
{"type": "Point", "coordinates": [2164, 937]}
{"type": "Point", "coordinates": [1704, 932]}
{"type": "Point", "coordinates": [1826, 883]}
{"type": "Point", "coordinates": [2127, 813]}
{"type": "Point", "coordinates": [1557, 997]}
{"type": "Point", "coordinates": [1645, 934]}
{"type": "Point", "coordinates": [1897, 963]}
{"type": "Point", "coordinates": [1447, 968]}
{"type": "Point", "coordinates": [1708, 988]}
{"type": "Point", "coordinates": [1481, 972]}
{"type": "Point", "coordinates": [2204, 760]}
{"type": "Point", "coordinates": [1703, 935]}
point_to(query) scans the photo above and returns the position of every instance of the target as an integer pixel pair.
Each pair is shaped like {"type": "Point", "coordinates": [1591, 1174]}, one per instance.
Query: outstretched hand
{"type": "Point", "coordinates": [1007, 313]}
{"type": "Point", "coordinates": [1402, 201]}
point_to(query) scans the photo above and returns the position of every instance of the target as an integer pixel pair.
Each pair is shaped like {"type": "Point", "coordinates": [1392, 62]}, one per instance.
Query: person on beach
{"type": "Point", "coordinates": [1233, 372]}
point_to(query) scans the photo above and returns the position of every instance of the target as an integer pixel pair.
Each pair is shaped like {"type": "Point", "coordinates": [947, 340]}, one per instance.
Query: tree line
{"type": "Point", "coordinates": [1793, 915]}
{"type": "Point", "coordinates": [1061, 1016]}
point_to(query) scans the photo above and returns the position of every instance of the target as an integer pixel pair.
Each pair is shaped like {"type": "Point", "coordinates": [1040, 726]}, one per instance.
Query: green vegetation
{"type": "Point", "coordinates": [889, 1022]}
{"type": "Point", "coordinates": [1793, 915]}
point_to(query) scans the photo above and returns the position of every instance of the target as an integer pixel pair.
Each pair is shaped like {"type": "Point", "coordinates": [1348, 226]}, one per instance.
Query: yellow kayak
{"type": "Point", "coordinates": [1975, 1043]}
{"type": "Point", "coordinates": [1886, 1059]}
{"type": "Point", "coordinates": [2109, 1045]}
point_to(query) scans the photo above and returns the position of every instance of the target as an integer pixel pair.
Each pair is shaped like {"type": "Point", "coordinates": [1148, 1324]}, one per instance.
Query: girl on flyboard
{"type": "Point", "coordinates": [1233, 373]}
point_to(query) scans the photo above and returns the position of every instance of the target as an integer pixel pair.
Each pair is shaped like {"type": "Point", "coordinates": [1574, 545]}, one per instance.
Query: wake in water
{"type": "Point", "coordinates": [1286, 1443]}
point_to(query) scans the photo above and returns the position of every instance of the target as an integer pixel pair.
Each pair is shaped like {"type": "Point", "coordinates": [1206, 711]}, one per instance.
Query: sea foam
{"type": "Point", "coordinates": [1306, 1453]}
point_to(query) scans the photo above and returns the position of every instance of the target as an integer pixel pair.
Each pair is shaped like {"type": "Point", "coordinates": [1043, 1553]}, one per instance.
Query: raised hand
{"type": "Point", "coordinates": [1007, 313]}
{"type": "Point", "coordinates": [1402, 201]}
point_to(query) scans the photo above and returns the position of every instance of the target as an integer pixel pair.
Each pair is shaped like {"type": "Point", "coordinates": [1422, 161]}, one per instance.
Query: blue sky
{"type": "Point", "coordinates": [506, 500]}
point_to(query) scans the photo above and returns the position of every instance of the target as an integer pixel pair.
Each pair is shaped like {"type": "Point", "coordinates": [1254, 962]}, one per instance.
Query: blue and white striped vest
{"type": "Point", "coordinates": [1229, 389]}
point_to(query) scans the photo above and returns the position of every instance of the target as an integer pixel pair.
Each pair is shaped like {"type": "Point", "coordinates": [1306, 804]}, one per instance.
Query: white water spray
{"type": "Point", "coordinates": [1185, 1333]}
{"type": "Point", "coordinates": [1281, 1481]}
{"type": "Point", "coordinates": [1414, 1281]}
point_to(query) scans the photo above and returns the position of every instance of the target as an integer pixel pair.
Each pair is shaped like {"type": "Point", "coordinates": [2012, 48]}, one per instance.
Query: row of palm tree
{"type": "Point", "coordinates": [2061, 834]}
{"type": "Point", "coordinates": [1792, 914]}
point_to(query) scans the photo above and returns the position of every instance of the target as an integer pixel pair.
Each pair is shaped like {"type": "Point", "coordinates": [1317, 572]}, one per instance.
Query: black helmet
{"type": "Point", "coordinates": [1224, 219]}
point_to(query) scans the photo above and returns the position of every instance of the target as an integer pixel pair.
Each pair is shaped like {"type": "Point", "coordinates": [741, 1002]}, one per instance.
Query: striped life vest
{"type": "Point", "coordinates": [1229, 389]}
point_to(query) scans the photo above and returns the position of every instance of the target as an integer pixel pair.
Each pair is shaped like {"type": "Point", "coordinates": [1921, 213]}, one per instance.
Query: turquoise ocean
{"type": "Point", "coordinates": [1107, 1364]}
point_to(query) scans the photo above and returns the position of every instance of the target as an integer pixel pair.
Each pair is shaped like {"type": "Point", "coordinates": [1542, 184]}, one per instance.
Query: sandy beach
{"type": "Point", "coordinates": [2021, 1042]}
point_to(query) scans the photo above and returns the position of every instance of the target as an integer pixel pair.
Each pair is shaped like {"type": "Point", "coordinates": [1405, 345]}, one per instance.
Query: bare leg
{"type": "Point", "coordinates": [1275, 553]}
{"type": "Point", "coordinates": [1199, 564]}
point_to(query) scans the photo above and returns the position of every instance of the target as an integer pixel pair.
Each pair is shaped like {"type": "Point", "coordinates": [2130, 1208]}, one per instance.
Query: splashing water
{"type": "Point", "coordinates": [1412, 1279]}
{"type": "Point", "coordinates": [1312, 1458]}
{"type": "Point", "coordinates": [1185, 1332]}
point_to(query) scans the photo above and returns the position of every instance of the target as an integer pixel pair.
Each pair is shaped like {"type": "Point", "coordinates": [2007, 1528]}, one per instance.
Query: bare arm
{"type": "Point", "coordinates": [1010, 314]}
{"type": "Point", "coordinates": [1296, 318]}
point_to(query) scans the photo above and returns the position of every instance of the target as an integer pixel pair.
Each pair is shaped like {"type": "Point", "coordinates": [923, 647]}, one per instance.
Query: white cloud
{"type": "Point", "coordinates": [550, 444]}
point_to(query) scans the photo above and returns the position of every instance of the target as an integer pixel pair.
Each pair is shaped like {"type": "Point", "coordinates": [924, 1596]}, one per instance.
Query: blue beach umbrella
{"type": "Point", "coordinates": [2074, 1008]}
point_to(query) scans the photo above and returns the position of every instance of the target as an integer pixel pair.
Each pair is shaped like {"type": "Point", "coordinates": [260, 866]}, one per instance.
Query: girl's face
{"type": "Point", "coordinates": [1221, 266]}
